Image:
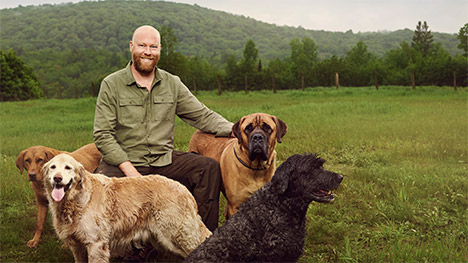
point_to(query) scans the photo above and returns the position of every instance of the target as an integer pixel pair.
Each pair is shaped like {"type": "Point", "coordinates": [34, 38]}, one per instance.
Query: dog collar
{"type": "Point", "coordinates": [246, 165]}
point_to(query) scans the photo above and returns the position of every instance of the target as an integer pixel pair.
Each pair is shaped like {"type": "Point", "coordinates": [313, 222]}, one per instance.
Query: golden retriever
{"type": "Point", "coordinates": [98, 217]}
{"type": "Point", "coordinates": [33, 158]}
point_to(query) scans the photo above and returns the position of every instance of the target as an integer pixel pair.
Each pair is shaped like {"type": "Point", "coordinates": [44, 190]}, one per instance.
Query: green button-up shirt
{"type": "Point", "coordinates": [132, 124]}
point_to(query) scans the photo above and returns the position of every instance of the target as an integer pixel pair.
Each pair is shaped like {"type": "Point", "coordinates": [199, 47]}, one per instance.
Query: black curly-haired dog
{"type": "Point", "coordinates": [270, 226]}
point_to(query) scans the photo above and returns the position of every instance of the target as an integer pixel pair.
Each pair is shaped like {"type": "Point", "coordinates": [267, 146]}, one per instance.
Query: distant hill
{"type": "Point", "coordinates": [200, 31]}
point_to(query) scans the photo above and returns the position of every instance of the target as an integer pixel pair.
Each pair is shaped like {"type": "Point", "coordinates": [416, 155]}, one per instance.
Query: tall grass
{"type": "Point", "coordinates": [403, 153]}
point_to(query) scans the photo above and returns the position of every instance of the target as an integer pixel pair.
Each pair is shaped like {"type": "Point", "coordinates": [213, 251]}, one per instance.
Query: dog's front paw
{"type": "Point", "coordinates": [33, 243]}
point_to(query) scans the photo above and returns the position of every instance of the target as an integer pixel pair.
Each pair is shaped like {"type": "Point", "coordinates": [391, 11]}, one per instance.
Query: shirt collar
{"type": "Point", "coordinates": [130, 79]}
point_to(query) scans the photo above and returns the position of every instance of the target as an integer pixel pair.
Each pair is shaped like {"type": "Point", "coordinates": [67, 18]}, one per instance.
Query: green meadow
{"type": "Point", "coordinates": [403, 154]}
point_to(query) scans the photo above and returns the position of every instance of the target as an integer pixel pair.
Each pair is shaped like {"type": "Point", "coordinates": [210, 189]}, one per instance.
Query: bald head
{"type": "Point", "coordinates": [146, 31]}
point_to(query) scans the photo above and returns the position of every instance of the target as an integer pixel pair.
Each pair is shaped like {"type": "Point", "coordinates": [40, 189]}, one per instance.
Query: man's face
{"type": "Point", "coordinates": [146, 50]}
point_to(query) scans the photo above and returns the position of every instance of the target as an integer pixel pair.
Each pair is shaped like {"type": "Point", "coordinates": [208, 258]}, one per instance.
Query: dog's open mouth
{"type": "Point", "coordinates": [59, 191]}
{"type": "Point", "coordinates": [324, 196]}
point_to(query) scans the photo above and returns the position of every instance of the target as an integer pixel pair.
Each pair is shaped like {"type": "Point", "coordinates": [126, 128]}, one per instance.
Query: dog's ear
{"type": "Point", "coordinates": [20, 161]}
{"type": "Point", "coordinates": [81, 171]}
{"type": "Point", "coordinates": [49, 155]}
{"type": "Point", "coordinates": [281, 129]}
{"type": "Point", "coordinates": [236, 130]}
{"type": "Point", "coordinates": [45, 170]}
{"type": "Point", "coordinates": [283, 174]}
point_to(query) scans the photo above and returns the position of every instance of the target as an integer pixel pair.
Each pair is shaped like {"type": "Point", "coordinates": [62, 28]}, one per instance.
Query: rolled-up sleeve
{"type": "Point", "coordinates": [105, 121]}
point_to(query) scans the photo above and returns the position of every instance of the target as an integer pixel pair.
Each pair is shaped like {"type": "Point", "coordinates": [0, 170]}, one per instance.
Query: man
{"type": "Point", "coordinates": [134, 125]}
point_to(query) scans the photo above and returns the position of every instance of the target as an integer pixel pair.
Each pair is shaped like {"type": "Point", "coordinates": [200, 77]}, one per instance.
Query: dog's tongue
{"type": "Point", "coordinates": [58, 194]}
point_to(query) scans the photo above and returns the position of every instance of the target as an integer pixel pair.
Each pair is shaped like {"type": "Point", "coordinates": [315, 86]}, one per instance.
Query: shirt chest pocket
{"type": "Point", "coordinates": [132, 111]}
{"type": "Point", "coordinates": [163, 108]}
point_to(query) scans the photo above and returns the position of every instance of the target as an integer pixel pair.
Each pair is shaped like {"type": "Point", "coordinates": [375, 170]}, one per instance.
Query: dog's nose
{"type": "Point", "coordinates": [340, 178]}
{"type": "Point", "coordinates": [58, 178]}
{"type": "Point", "coordinates": [258, 137]}
{"type": "Point", "coordinates": [32, 176]}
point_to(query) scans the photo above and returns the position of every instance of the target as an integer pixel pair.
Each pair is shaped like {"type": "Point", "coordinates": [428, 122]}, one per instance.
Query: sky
{"type": "Point", "coordinates": [446, 16]}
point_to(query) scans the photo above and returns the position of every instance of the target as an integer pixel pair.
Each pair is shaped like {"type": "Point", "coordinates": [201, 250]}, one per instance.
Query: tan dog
{"type": "Point", "coordinates": [98, 217]}
{"type": "Point", "coordinates": [32, 159]}
{"type": "Point", "coordinates": [248, 162]}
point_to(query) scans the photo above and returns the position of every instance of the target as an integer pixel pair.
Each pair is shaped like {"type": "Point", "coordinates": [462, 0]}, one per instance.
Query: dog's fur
{"type": "Point", "coordinates": [33, 158]}
{"type": "Point", "coordinates": [248, 161]}
{"type": "Point", "coordinates": [98, 217]}
{"type": "Point", "coordinates": [270, 226]}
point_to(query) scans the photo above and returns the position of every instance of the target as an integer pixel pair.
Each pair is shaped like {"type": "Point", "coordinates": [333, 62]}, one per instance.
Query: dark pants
{"type": "Point", "coordinates": [201, 175]}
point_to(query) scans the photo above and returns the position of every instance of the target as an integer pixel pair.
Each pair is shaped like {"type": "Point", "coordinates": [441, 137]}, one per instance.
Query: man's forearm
{"type": "Point", "coordinates": [128, 169]}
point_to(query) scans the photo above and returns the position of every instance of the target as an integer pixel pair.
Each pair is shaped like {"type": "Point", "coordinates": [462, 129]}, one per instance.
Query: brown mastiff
{"type": "Point", "coordinates": [247, 161]}
{"type": "Point", "coordinates": [33, 159]}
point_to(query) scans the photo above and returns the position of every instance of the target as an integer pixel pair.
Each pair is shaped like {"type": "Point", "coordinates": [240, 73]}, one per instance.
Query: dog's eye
{"type": "Point", "coordinates": [266, 128]}
{"type": "Point", "coordinates": [52, 167]}
{"type": "Point", "coordinates": [248, 129]}
{"type": "Point", "coordinates": [39, 160]}
{"type": "Point", "coordinates": [67, 167]}
{"type": "Point", "coordinates": [28, 161]}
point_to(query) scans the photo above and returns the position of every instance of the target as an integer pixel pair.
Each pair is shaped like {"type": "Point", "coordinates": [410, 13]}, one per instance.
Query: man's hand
{"type": "Point", "coordinates": [128, 169]}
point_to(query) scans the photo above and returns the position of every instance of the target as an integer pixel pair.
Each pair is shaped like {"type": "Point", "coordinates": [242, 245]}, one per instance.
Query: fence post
{"type": "Point", "coordinates": [219, 85]}
{"type": "Point", "coordinates": [92, 89]}
{"type": "Point", "coordinates": [413, 84]}
{"type": "Point", "coordinates": [337, 80]}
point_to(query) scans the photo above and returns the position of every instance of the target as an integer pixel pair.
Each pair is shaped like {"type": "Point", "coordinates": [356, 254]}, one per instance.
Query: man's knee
{"type": "Point", "coordinates": [212, 164]}
{"type": "Point", "coordinates": [211, 169]}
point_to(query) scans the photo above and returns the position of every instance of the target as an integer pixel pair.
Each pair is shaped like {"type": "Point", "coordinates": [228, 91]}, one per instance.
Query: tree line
{"type": "Point", "coordinates": [203, 32]}
{"type": "Point", "coordinates": [78, 72]}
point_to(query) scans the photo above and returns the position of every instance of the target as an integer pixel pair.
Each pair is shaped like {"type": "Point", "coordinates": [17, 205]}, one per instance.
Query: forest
{"type": "Point", "coordinates": [64, 51]}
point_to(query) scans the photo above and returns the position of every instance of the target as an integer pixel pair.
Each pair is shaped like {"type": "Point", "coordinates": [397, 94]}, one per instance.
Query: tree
{"type": "Point", "coordinates": [281, 72]}
{"type": "Point", "coordinates": [249, 62]}
{"type": "Point", "coordinates": [250, 52]}
{"type": "Point", "coordinates": [422, 38]}
{"type": "Point", "coordinates": [232, 78]}
{"type": "Point", "coordinates": [304, 58]}
{"type": "Point", "coordinates": [18, 81]}
{"type": "Point", "coordinates": [399, 63]}
{"type": "Point", "coordinates": [326, 70]}
{"type": "Point", "coordinates": [202, 74]}
{"type": "Point", "coordinates": [463, 37]}
{"type": "Point", "coordinates": [360, 66]}
{"type": "Point", "coordinates": [171, 60]}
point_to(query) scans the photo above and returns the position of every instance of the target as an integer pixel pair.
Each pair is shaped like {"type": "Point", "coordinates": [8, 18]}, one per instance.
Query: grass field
{"type": "Point", "coordinates": [403, 153]}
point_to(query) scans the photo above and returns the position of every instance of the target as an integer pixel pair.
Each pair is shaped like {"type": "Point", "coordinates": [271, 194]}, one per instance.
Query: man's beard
{"type": "Point", "coordinates": [144, 67]}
